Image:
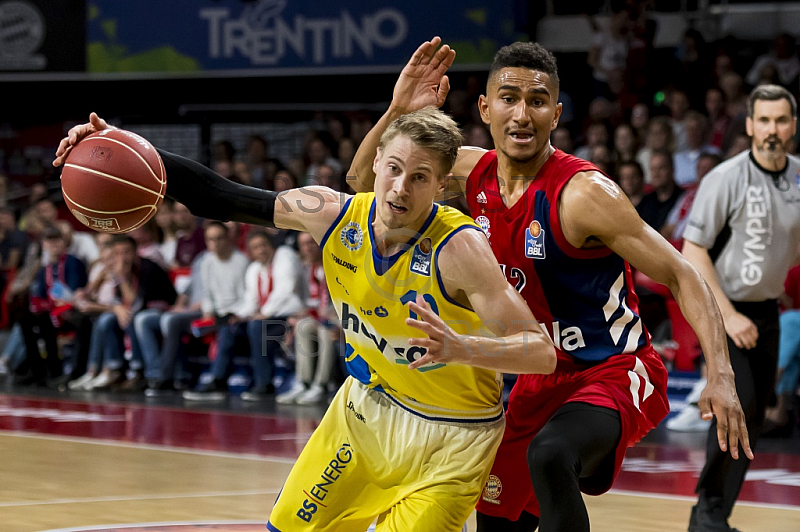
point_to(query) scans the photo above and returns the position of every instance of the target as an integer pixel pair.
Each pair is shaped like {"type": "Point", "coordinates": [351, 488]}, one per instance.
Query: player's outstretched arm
{"type": "Point", "coordinates": [422, 83]}
{"type": "Point", "coordinates": [593, 208]}
{"type": "Point", "coordinates": [209, 195]}
{"type": "Point", "coordinates": [471, 275]}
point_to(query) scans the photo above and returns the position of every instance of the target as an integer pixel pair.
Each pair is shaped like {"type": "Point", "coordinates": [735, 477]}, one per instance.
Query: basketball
{"type": "Point", "coordinates": [113, 181]}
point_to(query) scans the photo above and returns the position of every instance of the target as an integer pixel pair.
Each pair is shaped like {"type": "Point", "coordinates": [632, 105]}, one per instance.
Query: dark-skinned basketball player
{"type": "Point", "coordinates": [566, 237]}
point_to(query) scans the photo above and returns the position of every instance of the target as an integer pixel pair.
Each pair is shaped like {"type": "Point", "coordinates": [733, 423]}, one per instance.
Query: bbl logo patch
{"type": "Point", "coordinates": [483, 222]}
{"type": "Point", "coordinates": [797, 178]}
{"type": "Point", "coordinates": [421, 257]}
{"type": "Point", "coordinates": [534, 241]}
{"type": "Point", "coordinates": [352, 236]}
{"type": "Point", "coordinates": [492, 490]}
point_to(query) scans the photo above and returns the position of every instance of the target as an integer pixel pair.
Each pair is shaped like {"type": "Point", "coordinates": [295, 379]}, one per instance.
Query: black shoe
{"type": "Point", "coordinates": [160, 389]}
{"type": "Point", "coordinates": [258, 393]}
{"type": "Point", "coordinates": [772, 429]}
{"type": "Point", "coordinates": [709, 520]}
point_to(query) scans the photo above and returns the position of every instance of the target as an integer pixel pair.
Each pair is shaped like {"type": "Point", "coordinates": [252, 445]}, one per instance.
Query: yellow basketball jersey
{"type": "Point", "coordinates": [371, 293]}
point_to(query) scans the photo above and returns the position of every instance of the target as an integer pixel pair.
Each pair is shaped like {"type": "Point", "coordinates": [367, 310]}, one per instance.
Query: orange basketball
{"type": "Point", "coordinates": [113, 181]}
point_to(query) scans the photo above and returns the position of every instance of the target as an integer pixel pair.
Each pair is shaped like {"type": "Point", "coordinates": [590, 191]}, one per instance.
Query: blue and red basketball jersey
{"type": "Point", "coordinates": [584, 297]}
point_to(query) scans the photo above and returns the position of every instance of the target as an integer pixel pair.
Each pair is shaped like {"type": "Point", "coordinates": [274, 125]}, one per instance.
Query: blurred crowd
{"type": "Point", "coordinates": [196, 306]}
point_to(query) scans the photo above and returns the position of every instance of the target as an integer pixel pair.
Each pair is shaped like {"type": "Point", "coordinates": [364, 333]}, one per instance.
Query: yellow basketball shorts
{"type": "Point", "coordinates": [370, 458]}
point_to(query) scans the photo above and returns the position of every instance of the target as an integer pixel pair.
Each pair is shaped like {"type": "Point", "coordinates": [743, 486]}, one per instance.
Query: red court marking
{"type": "Point", "coordinates": [213, 431]}
{"type": "Point", "coordinates": [648, 468]}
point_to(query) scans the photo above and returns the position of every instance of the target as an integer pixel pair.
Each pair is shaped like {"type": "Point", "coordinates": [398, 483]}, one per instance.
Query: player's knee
{"type": "Point", "coordinates": [551, 456]}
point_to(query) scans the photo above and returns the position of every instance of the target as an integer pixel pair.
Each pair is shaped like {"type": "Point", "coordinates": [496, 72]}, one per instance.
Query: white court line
{"type": "Point", "coordinates": [143, 525]}
{"type": "Point", "coordinates": [85, 500]}
{"type": "Point", "coordinates": [151, 447]}
{"type": "Point", "coordinates": [686, 498]}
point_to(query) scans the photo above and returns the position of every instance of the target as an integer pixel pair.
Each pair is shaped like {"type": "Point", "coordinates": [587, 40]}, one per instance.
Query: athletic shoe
{"type": "Point", "coordinates": [106, 379]}
{"type": "Point", "coordinates": [258, 393]}
{"type": "Point", "coordinates": [159, 389]}
{"type": "Point", "coordinates": [289, 397]}
{"type": "Point", "coordinates": [689, 420]}
{"type": "Point", "coordinates": [313, 396]}
{"type": "Point", "coordinates": [214, 391]}
{"type": "Point", "coordinates": [81, 382]}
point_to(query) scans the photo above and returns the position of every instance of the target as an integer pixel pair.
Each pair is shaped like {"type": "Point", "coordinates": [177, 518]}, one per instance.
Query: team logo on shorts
{"type": "Point", "coordinates": [492, 490]}
{"type": "Point", "coordinates": [534, 241]}
{"type": "Point", "coordinates": [352, 236]}
{"type": "Point", "coordinates": [421, 257]}
{"type": "Point", "coordinates": [483, 222]}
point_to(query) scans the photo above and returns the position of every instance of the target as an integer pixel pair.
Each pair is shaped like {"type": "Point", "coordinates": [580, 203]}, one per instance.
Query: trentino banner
{"type": "Point", "coordinates": [263, 37]}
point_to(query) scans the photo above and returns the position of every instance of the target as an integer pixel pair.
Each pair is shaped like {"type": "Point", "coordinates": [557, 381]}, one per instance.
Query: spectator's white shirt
{"type": "Point", "coordinates": [278, 284]}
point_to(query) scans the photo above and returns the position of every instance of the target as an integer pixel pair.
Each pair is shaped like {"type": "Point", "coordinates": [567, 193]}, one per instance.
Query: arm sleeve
{"type": "Point", "coordinates": [209, 195]}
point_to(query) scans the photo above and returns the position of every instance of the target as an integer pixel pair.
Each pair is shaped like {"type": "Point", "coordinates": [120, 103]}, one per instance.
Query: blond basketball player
{"type": "Point", "coordinates": [429, 320]}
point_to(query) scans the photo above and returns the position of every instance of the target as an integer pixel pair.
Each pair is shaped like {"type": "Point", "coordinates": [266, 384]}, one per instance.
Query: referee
{"type": "Point", "coordinates": [742, 236]}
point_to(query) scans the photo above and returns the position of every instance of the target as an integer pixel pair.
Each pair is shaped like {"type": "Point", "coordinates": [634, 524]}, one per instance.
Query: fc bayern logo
{"type": "Point", "coordinates": [484, 223]}
{"type": "Point", "coordinates": [351, 236]}
{"type": "Point", "coordinates": [493, 487]}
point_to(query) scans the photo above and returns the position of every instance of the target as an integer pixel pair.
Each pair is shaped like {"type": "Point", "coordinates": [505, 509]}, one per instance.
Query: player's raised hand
{"type": "Point", "coordinates": [719, 400]}
{"type": "Point", "coordinates": [75, 134]}
{"type": "Point", "coordinates": [423, 81]}
{"type": "Point", "coordinates": [442, 343]}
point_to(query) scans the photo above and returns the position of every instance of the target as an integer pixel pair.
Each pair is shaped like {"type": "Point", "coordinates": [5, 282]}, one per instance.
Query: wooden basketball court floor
{"type": "Point", "coordinates": [79, 462]}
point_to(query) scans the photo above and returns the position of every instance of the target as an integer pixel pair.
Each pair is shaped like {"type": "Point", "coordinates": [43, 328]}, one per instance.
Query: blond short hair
{"type": "Point", "coordinates": [431, 129]}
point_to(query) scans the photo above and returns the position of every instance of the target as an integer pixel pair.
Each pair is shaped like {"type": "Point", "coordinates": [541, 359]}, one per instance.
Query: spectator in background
{"type": "Point", "coordinates": [273, 293]}
{"type": "Point", "coordinates": [51, 295]}
{"type": "Point", "coordinates": [80, 244]}
{"type": "Point", "coordinates": [284, 180]}
{"type": "Point", "coordinates": [476, 134]}
{"type": "Point", "coordinates": [222, 151]}
{"type": "Point", "coordinates": [718, 119]}
{"type": "Point", "coordinates": [640, 119]}
{"type": "Point", "coordinates": [315, 333]}
{"type": "Point", "coordinates": [261, 166]}
{"type": "Point", "coordinates": [147, 245]}
{"type": "Point", "coordinates": [160, 333]}
{"type": "Point", "coordinates": [318, 153]}
{"type": "Point", "coordinates": [600, 156]}
{"type": "Point", "coordinates": [678, 104]}
{"type": "Point", "coordinates": [631, 180]}
{"type": "Point", "coordinates": [732, 87]}
{"type": "Point", "coordinates": [13, 242]}
{"type": "Point", "coordinates": [168, 239]}
{"type": "Point", "coordinates": [222, 272]}
{"type": "Point", "coordinates": [655, 206]}
{"type": "Point", "coordinates": [779, 419]}
{"type": "Point", "coordinates": [686, 160]}
{"type": "Point", "coordinates": [140, 284]}
{"type": "Point", "coordinates": [596, 135]}
{"type": "Point", "coordinates": [679, 215]}
{"type": "Point", "coordinates": [190, 239]}
{"type": "Point", "coordinates": [346, 152]}
{"type": "Point", "coordinates": [327, 176]}
{"type": "Point", "coordinates": [37, 192]}
{"type": "Point", "coordinates": [609, 49]}
{"type": "Point", "coordinates": [659, 137]}
{"type": "Point", "coordinates": [561, 138]}
{"type": "Point", "coordinates": [99, 296]}
{"type": "Point", "coordinates": [740, 143]}
{"type": "Point", "coordinates": [693, 64]}
{"type": "Point", "coordinates": [781, 60]}
{"type": "Point", "coordinates": [626, 145]}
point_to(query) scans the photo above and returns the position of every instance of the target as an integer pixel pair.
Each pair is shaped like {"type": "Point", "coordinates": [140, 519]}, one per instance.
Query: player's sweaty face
{"type": "Point", "coordinates": [407, 180]}
{"type": "Point", "coordinates": [521, 108]}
